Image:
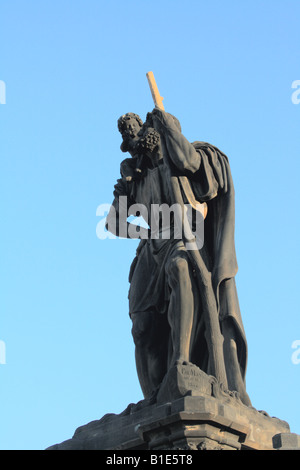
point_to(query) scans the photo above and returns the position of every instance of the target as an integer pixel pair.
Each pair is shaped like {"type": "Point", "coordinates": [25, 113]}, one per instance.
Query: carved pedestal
{"type": "Point", "coordinates": [191, 412]}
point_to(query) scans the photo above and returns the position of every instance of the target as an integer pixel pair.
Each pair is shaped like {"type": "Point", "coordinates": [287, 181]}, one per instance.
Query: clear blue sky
{"type": "Point", "coordinates": [71, 68]}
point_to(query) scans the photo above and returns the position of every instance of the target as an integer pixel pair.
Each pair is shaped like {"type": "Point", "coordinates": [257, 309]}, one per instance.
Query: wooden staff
{"type": "Point", "coordinates": [158, 100]}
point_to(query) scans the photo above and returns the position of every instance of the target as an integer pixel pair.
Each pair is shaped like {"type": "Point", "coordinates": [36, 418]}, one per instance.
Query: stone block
{"type": "Point", "coordinates": [286, 441]}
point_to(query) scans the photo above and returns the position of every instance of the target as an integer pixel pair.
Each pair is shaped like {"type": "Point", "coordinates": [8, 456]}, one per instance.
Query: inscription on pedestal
{"type": "Point", "coordinates": [182, 380]}
{"type": "Point", "coordinates": [193, 379]}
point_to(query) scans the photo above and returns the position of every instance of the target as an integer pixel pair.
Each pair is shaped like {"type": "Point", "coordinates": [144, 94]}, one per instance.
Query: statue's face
{"type": "Point", "coordinates": [130, 128]}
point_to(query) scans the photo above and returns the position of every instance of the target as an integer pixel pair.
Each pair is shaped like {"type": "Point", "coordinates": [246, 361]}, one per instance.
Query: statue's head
{"type": "Point", "coordinates": [129, 125]}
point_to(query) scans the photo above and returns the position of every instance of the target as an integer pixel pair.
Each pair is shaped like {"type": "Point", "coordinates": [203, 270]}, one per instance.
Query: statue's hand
{"type": "Point", "coordinates": [157, 112]}
{"type": "Point", "coordinates": [158, 117]}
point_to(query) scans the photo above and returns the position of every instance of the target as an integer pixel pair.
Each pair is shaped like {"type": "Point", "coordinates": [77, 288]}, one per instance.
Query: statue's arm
{"type": "Point", "coordinates": [116, 220]}
{"type": "Point", "coordinates": [180, 150]}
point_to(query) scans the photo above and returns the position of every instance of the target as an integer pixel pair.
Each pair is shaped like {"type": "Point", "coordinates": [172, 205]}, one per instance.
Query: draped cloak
{"type": "Point", "coordinates": [211, 182]}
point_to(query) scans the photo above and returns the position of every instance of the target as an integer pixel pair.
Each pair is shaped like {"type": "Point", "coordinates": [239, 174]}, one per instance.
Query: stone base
{"type": "Point", "coordinates": [191, 411]}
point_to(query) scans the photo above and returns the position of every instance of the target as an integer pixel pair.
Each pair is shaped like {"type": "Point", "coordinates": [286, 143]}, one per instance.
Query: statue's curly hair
{"type": "Point", "coordinates": [125, 117]}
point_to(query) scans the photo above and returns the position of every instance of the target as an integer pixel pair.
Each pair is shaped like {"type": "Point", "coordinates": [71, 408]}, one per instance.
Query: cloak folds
{"type": "Point", "coordinates": [214, 174]}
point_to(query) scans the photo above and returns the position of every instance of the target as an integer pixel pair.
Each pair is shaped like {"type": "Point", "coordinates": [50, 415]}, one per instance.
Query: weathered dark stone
{"type": "Point", "coordinates": [182, 299]}
{"type": "Point", "coordinates": [286, 441]}
{"type": "Point", "coordinates": [191, 423]}
{"type": "Point", "coordinates": [197, 414]}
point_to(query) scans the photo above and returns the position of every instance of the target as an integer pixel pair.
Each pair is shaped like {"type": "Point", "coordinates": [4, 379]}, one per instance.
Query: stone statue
{"type": "Point", "coordinates": [183, 302]}
{"type": "Point", "coordinates": [182, 298]}
{"type": "Point", "coordinates": [190, 344]}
